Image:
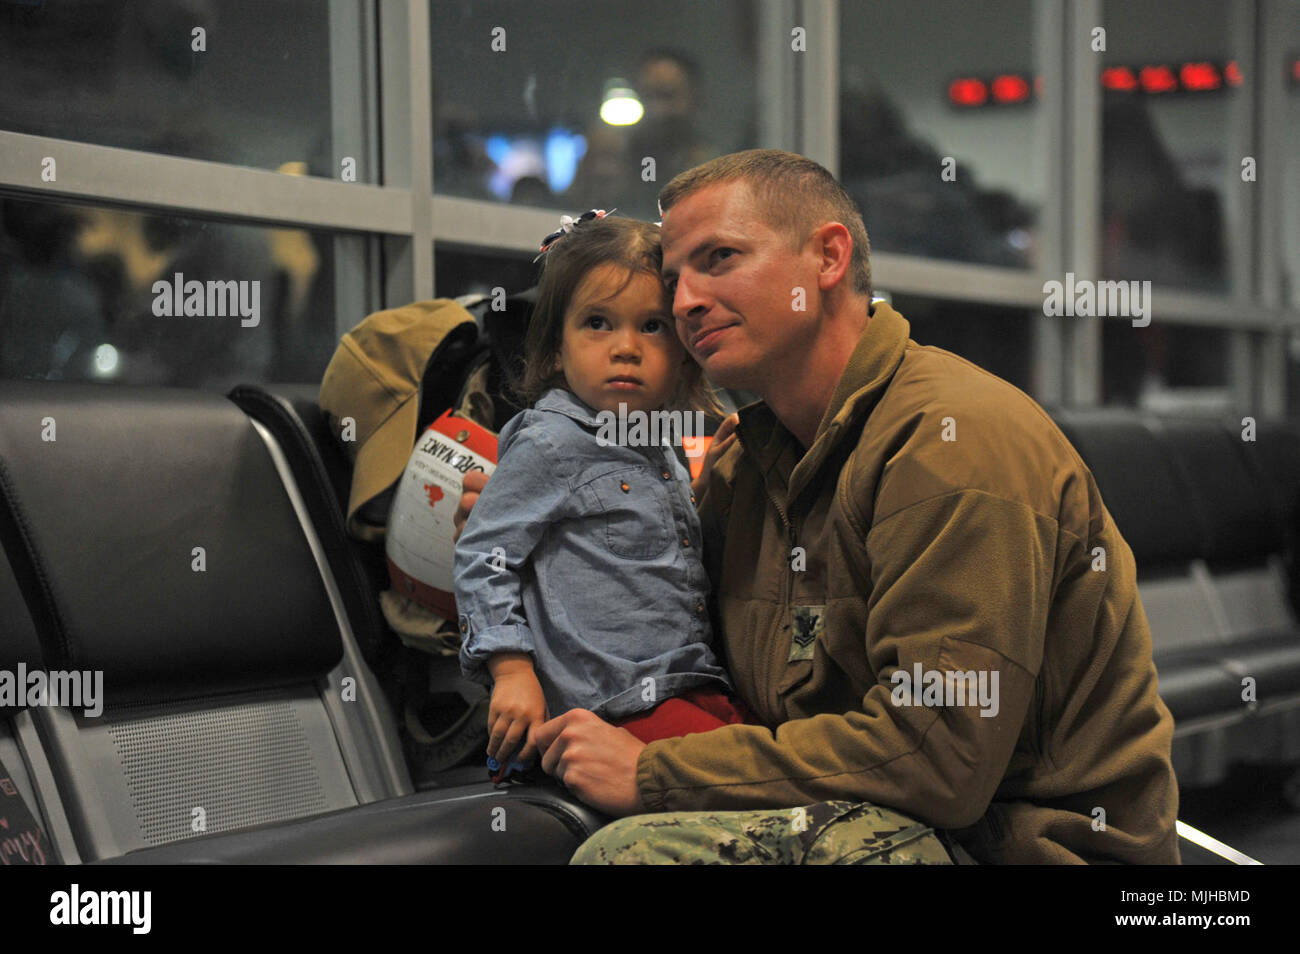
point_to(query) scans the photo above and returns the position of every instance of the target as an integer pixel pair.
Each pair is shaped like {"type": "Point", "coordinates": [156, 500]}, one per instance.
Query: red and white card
{"type": "Point", "coordinates": [420, 539]}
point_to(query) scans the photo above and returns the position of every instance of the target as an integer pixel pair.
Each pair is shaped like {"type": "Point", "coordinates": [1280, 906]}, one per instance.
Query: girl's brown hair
{"type": "Point", "coordinates": [623, 242]}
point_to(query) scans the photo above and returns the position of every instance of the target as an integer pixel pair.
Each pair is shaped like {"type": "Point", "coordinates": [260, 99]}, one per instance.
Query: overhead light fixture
{"type": "Point", "coordinates": [105, 361]}
{"type": "Point", "coordinates": [620, 105]}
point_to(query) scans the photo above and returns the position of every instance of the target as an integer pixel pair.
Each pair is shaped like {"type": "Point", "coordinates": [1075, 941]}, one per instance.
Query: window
{"type": "Point", "coordinates": [1166, 368]}
{"type": "Point", "coordinates": [1290, 184]}
{"type": "Point", "coordinates": [257, 93]}
{"type": "Point", "coordinates": [998, 339]}
{"type": "Point", "coordinates": [940, 128]}
{"type": "Point", "coordinates": [90, 293]}
{"type": "Point", "coordinates": [1171, 167]}
{"type": "Point", "coordinates": [476, 271]}
{"type": "Point", "coordinates": [519, 94]}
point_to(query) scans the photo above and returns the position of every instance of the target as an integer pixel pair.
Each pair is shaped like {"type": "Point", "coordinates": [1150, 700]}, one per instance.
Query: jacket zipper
{"type": "Point", "coordinates": [787, 587]}
{"type": "Point", "coordinates": [786, 596]}
{"type": "Point", "coordinates": [789, 569]}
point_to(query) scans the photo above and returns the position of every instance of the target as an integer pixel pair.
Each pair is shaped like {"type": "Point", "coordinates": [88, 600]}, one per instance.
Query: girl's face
{"type": "Point", "coordinates": [624, 349]}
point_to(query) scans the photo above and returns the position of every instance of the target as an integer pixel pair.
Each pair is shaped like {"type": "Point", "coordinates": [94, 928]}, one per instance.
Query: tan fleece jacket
{"type": "Point", "coordinates": [941, 532]}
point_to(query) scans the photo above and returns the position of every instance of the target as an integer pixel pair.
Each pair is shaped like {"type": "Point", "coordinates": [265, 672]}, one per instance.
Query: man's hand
{"type": "Point", "coordinates": [472, 486]}
{"type": "Point", "coordinates": [723, 438]}
{"type": "Point", "coordinates": [595, 760]}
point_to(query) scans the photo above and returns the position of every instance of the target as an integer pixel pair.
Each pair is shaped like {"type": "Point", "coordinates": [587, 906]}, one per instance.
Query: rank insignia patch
{"type": "Point", "coordinates": [808, 625]}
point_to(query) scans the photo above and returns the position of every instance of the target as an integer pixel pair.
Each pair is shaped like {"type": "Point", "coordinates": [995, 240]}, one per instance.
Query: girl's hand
{"type": "Point", "coordinates": [723, 438]}
{"type": "Point", "coordinates": [517, 705]}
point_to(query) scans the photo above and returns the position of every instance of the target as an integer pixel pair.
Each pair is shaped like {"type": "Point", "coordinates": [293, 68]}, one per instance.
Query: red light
{"type": "Point", "coordinates": [1009, 88]}
{"type": "Point", "coordinates": [1119, 78]}
{"type": "Point", "coordinates": [1158, 79]}
{"type": "Point", "coordinates": [967, 91]}
{"type": "Point", "coordinates": [1199, 76]}
{"type": "Point", "coordinates": [1232, 73]}
{"type": "Point", "coordinates": [1295, 71]}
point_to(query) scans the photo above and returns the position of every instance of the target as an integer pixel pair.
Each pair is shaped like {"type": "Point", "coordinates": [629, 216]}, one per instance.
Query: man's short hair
{"type": "Point", "coordinates": [794, 195]}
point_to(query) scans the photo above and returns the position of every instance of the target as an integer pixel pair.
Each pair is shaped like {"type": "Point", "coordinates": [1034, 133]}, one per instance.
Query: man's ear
{"type": "Point", "coordinates": [835, 246]}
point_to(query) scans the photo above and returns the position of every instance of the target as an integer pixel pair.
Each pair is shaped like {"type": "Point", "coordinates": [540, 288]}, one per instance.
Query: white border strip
{"type": "Point", "coordinates": [1215, 846]}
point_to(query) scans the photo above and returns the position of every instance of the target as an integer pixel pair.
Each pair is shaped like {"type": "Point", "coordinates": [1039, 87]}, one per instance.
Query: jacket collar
{"type": "Point", "coordinates": [563, 401]}
{"type": "Point", "coordinates": [777, 453]}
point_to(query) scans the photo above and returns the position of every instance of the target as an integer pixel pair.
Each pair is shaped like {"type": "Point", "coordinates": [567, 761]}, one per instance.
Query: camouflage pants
{"type": "Point", "coordinates": [827, 833]}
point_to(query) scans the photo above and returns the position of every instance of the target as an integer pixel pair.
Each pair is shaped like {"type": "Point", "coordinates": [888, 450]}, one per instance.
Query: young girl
{"type": "Point", "coordinates": [579, 575]}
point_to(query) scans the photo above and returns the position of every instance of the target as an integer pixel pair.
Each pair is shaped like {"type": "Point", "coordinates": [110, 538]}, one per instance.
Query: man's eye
{"type": "Point", "coordinates": [720, 251]}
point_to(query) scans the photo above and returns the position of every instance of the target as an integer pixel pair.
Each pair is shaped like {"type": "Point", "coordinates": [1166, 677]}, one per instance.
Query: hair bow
{"type": "Point", "coordinates": [567, 224]}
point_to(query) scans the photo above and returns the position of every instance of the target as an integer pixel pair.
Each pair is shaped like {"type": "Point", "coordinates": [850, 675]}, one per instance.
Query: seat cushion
{"type": "Point", "coordinates": [154, 540]}
{"type": "Point", "coordinates": [1271, 659]}
{"type": "Point", "coordinates": [474, 825]}
{"type": "Point", "coordinates": [1194, 684]}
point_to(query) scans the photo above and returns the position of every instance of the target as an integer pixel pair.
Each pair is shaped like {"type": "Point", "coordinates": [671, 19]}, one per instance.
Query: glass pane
{"type": "Point", "coordinates": [1164, 368]}
{"type": "Point", "coordinates": [998, 339]}
{"type": "Point", "coordinates": [1171, 173]}
{"type": "Point", "coordinates": [131, 75]}
{"type": "Point", "coordinates": [524, 124]}
{"type": "Point", "coordinates": [1291, 177]}
{"type": "Point", "coordinates": [89, 293]}
{"type": "Point", "coordinates": [940, 128]}
{"type": "Point", "coordinates": [462, 270]}
{"type": "Point", "coordinates": [1293, 376]}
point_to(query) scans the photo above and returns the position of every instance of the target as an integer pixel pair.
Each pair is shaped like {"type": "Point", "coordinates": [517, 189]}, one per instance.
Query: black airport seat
{"type": "Point", "coordinates": [1152, 507]}
{"type": "Point", "coordinates": [1245, 512]}
{"type": "Point", "coordinates": [161, 537]}
{"type": "Point", "coordinates": [20, 654]}
{"type": "Point", "coordinates": [433, 702]}
{"type": "Point", "coordinates": [1209, 515]}
{"type": "Point", "coordinates": [474, 825]}
{"type": "Point", "coordinates": [323, 473]}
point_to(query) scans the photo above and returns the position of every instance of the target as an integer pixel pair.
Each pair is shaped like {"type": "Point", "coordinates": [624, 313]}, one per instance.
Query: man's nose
{"type": "Point", "coordinates": [689, 301]}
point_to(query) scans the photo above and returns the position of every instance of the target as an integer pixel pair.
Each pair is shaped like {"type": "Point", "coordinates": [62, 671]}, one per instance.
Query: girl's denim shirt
{"type": "Point", "coordinates": [589, 558]}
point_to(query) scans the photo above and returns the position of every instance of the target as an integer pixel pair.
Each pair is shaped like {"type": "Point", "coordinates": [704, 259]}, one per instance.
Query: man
{"type": "Point", "coordinates": [917, 586]}
{"type": "Point", "coordinates": [668, 81]}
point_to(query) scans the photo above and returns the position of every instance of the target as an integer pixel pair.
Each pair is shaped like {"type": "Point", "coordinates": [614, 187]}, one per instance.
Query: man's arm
{"type": "Point", "coordinates": [961, 582]}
